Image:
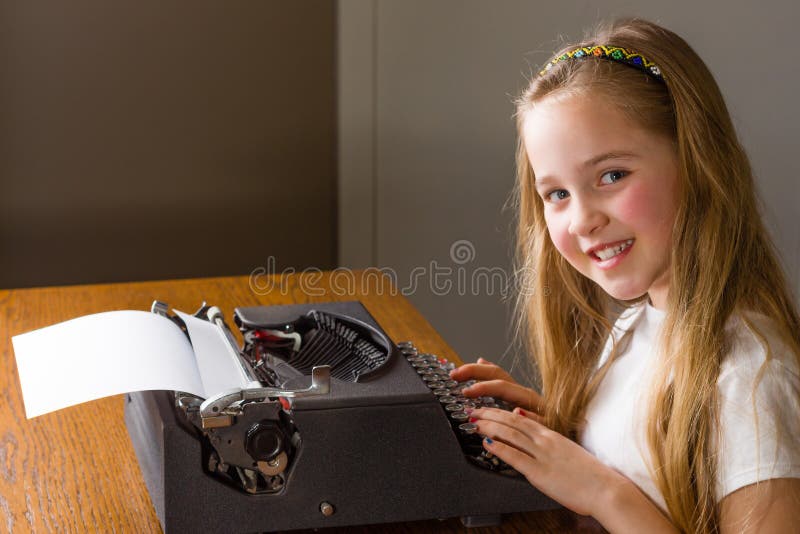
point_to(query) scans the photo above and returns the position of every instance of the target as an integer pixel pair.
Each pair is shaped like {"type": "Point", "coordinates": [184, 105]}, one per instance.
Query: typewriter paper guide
{"type": "Point", "coordinates": [119, 352]}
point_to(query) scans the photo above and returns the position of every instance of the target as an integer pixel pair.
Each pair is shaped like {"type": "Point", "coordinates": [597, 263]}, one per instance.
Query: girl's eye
{"type": "Point", "coordinates": [611, 177]}
{"type": "Point", "coordinates": [556, 195]}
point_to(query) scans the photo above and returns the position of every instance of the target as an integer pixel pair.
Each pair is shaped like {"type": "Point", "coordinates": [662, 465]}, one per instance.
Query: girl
{"type": "Point", "coordinates": [635, 194]}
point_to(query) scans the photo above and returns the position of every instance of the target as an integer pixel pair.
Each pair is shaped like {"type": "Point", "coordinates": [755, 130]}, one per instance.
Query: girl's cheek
{"type": "Point", "coordinates": [561, 243]}
{"type": "Point", "coordinates": [560, 236]}
{"type": "Point", "coordinates": [640, 206]}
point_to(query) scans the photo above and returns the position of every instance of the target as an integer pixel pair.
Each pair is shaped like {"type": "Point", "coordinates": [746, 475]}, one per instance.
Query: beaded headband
{"type": "Point", "coordinates": [613, 53]}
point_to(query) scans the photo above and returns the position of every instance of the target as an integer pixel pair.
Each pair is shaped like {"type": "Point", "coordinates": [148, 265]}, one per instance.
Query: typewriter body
{"type": "Point", "coordinates": [338, 426]}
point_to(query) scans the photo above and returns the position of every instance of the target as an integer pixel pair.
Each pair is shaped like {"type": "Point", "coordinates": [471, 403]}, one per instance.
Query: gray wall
{"type": "Point", "coordinates": [440, 77]}
{"type": "Point", "coordinates": [149, 139]}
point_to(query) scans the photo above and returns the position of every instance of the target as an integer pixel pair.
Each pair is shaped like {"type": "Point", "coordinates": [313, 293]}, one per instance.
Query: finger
{"type": "Point", "coordinates": [510, 435]}
{"type": "Point", "coordinates": [513, 393]}
{"type": "Point", "coordinates": [479, 371]}
{"type": "Point", "coordinates": [523, 463]}
{"type": "Point", "coordinates": [530, 415]}
{"type": "Point", "coordinates": [512, 420]}
{"type": "Point", "coordinates": [485, 362]}
{"type": "Point", "coordinates": [500, 416]}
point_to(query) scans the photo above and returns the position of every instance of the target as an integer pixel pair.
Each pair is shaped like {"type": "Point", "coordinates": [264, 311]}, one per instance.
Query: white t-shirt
{"type": "Point", "coordinates": [615, 417]}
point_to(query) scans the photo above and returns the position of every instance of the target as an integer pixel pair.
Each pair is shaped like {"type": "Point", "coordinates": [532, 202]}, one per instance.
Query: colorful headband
{"type": "Point", "coordinates": [613, 53]}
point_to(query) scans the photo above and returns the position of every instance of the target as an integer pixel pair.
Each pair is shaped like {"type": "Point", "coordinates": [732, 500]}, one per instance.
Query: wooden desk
{"type": "Point", "coordinates": [75, 470]}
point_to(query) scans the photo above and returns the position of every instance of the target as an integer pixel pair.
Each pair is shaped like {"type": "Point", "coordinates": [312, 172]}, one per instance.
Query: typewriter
{"type": "Point", "coordinates": [337, 426]}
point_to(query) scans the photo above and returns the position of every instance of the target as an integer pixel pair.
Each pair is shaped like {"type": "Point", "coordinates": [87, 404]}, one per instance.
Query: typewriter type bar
{"type": "Point", "coordinates": [340, 426]}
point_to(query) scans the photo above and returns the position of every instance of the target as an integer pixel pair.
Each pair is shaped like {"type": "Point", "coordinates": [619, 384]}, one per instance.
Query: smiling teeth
{"type": "Point", "coordinates": [610, 252]}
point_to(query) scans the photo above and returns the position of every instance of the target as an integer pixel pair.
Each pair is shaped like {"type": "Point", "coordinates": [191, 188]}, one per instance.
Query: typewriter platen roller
{"type": "Point", "coordinates": [338, 426]}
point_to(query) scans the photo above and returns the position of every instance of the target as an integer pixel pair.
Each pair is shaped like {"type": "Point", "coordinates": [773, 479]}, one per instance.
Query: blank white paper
{"type": "Point", "coordinates": [103, 354]}
{"type": "Point", "coordinates": [217, 361]}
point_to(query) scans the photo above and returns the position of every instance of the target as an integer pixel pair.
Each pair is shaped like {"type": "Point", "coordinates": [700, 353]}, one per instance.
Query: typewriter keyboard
{"type": "Point", "coordinates": [435, 372]}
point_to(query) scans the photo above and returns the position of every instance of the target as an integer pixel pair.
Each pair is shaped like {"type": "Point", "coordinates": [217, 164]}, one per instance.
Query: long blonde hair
{"type": "Point", "coordinates": [722, 263]}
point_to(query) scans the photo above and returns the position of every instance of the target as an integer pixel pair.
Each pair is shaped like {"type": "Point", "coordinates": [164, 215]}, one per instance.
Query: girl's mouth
{"type": "Point", "coordinates": [611, 256]}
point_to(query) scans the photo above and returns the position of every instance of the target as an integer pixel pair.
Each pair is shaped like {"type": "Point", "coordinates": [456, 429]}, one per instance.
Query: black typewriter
{"type": "Point", "coordinates": [337, 426]}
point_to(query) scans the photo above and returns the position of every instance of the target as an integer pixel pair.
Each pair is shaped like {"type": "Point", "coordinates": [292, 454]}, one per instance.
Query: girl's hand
{"type": "Point", "coordinates": [557, 466]}
{"type": "Point", "coordinates": [496, 382]}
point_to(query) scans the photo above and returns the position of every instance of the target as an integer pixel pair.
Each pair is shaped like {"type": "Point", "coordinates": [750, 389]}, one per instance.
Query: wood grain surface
{"type": "Point", "coordinates": [75, 470]}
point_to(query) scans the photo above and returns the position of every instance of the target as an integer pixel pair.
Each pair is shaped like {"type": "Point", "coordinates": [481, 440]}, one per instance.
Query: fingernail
{"type": "Point", "coordinates": [468, 410]}
{"type": "Point", "coordinates": [472, 419]}
{"type": "Point", "coordinates": [489, 441]}
{"type": "Point", "coordinates": [521, 412]}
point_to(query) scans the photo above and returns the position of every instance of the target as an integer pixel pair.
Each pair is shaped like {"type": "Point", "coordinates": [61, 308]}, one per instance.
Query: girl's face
{"type": "Point", "coordinates": [610, 193]}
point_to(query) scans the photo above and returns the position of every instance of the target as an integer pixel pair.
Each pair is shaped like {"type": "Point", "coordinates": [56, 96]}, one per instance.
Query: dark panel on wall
{"type": "Point", "coordinates": [143, 140]}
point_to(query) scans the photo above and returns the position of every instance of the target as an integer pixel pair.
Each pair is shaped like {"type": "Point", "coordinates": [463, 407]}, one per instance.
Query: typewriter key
{"type": "Point", "coordinates": [468, 428]}
{"type": "Point", "coordinates": [435, 385]}
{"type": "Point", "coordinates": [459, 417]}
{"type": "Point", "coordinates": [455, 407]}
{"type": "Point", "coordinates": [481, 461]}
{"type": "Point", "coordinates": [451, 384]}
{"type": "Point", "coordinates": [440, 392]}
{"type": "Point", "coordinates": [430, 378]}
{"type": "Point", "coordinates": [447, 399]}
{"type": "Point", "coordinates": [406, 345]}
{"type": "Point", "coordinates": [425, 372]}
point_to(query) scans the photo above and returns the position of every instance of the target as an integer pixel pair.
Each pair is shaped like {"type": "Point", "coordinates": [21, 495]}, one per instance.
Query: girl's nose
{"type": "Point", "coordinates": [586, 219]}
